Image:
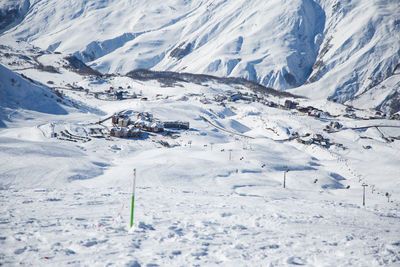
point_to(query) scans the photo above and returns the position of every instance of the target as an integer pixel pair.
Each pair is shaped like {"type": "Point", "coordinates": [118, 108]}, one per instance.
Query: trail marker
{"type": "Point", "coordinates": [284, 177]}
{"type": "Point", "coordinates": [133, 196]}
{"type": "Point", "coordinates": [364, 185]}
{"type": "Point", "coordinates": [388, 196]}
{"type": "Point", "coordinates": [52, 125]}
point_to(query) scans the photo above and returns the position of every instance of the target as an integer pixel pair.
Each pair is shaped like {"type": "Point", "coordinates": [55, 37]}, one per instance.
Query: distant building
{"type": "Point", "coordinates": [302, 109]}
{"type": "Point", "coordinates": [314, 113]}
{"type": "Point", "coordinates": [118, 95]}
{"type": "Point", "coordinates": [205, 101]}
{"type": "Point", "coordinates": [145, 116]}
{"type": "Point", "coordinates": [115, 132]}
{"type": "Point", "coordinates": [281, 107]}
{"type": "Point", "coordinates": [220, 97]}
{"type": "Point", "coordinates": [134, 132]}
{"type": "Point", "coordinates": [123, 122]}
{"type": "Point", "coordinates": [234, 97]}
{"type": "Point", "coordinates": [140, 123]}
{"type": "Point", "coordinates": [124, 132]}
{"type": "Point", "coordinates": [289, 104]}
{"type": "Point", "coordinates": [149, 126]}
{"type": "Point", "coordinates": [114, 119]}
{"type": "Point", "coordinates": [176, 125]}
{"type": "Point", "coordinates": [318, 137]}
{"type": "Point", "coordinates": [156, 127]}
{"type": "Point", "coordinates": [335, 125]}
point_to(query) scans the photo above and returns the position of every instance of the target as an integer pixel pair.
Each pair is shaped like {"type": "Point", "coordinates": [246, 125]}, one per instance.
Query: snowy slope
{"type": "Point", "coordinates": [343, 49]}
{"type": "Point", "coordinates": [221, 38]}
{"type": "Point", "coordinates": [250, 183]}
{"type": "Point", "coordinates": [359, 52]}
{"type": "Point", "coordinates": [215, 196]}
{"type": "Point", "coordinates": [18, 94]}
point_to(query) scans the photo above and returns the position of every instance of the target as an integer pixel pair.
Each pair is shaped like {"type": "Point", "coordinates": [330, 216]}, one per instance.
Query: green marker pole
{"type": "Point", "coordinates": [133, 196]}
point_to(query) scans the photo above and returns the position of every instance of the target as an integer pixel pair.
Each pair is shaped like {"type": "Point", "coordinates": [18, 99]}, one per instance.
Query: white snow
{"type": "Point", "coordinates": [214, 199]}
{"type": "Point", "coordinates": [213, 194]}
{"type": "Point", "coordinates": [341, 49]}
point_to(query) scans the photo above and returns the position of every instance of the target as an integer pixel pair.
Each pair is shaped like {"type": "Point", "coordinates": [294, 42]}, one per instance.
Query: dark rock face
{"type": "Point", "coordinates": [78, 66]}
{"type": "Point", "coordinates": [170, 78]}
{"type": "Point", "coordinates": [12, 14]}
{"type": "Point", "coordinates": [181, 51]}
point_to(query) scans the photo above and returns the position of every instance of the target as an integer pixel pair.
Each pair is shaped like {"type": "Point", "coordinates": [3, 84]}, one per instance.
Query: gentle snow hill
{"type": "Point", "coordinates": [18, 93]}
{"type": "Point", "coordinates": [338, 49]}
{"type": "Point", "coordinates": [213, 196]}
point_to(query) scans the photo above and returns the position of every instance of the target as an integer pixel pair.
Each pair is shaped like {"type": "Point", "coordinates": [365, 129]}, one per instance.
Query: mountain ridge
{"type": "Point", "coordinates": [320, 49]}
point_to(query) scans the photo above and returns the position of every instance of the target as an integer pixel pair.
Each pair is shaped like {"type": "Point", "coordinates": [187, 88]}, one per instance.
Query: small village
{"type": "Point", "coordinates": [118, 93]}
{"type": "Point", "coordinates": [350, 112]}
{"type": "Point", "coordinates": [138, 125]}
{"type": "Point", "coordinates": [126, 124]}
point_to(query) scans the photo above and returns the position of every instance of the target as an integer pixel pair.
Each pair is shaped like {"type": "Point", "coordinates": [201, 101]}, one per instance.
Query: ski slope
{"type": "Point", "coordinates": [214, 197]}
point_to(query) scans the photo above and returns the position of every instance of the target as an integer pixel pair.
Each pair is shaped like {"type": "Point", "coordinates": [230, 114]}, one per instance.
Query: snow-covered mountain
{"type": "Point", "coordinates": [12, 12]}
{"type": "Point", "coordinates": [343, 50]}
{"type": "Point", "coordinates": [227, 171]}
{"type": "Point", "coordinates": [18, 93]}
{"type": "Point", "coordinates": [252, 182]}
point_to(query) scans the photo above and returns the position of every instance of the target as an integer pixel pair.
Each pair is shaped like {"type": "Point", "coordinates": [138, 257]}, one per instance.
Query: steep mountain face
{"type": "Point", "coordinates": [323, 48]}
{"type": "Point", "coordinates": [360, 50]}
{"type": "Point", "coordinates": [12, 12]}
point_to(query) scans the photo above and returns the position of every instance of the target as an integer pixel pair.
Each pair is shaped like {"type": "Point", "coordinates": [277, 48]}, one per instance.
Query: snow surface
{"type": "Point", "coordinates": [215, 197]}
{"type": "Point", "coordinates": [18, 94]}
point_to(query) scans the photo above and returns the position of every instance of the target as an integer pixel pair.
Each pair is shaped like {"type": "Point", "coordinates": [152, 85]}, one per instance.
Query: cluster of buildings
{"type": "Point", "coordinates": [125, 126]}
{"type": "Point", "coordinates": [235, 96]}
{"type": "Point", "coordinates": [310, 110]}
{"type": "Point", "coordinates": [116, 94]}
{"type": "Point", "coordinates": [318, 139]}
{"type": "Point", "coordinates": [251, 97]}
{"type": "Point", "coordinates": [124, 132]}
{"type": "Point", "coordinates": [333, 126]}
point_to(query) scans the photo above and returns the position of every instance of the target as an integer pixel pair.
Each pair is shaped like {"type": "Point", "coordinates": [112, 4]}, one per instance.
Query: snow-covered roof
{"type": "Point", "coordinates": [156, 124]}
{"type": "Point", "coordinates": [141, 122]}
